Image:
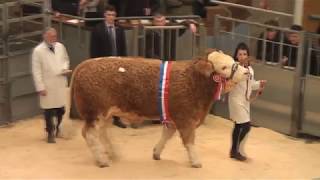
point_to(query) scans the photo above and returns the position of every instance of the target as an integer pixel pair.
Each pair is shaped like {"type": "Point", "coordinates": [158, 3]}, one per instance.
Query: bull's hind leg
{"type": "Point", "coordinates": [167, 133]}
{"type": "Point", "coordinates": [104, 134]}
{"type": "Point", "coordinates": [91, 135]}
{"type": "Point", "coordinates": [188, 137]}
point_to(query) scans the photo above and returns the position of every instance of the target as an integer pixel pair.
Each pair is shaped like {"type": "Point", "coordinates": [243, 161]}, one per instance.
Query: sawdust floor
{"type": "Point", "coordinates": [24, 154]}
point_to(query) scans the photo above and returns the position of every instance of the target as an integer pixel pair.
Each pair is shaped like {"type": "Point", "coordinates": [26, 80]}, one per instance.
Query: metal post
{"type": "Point", "coordinates": [264, 47]}
{"type": "Point", "coordinates": [298, 12]}
{"type": "Point", "coordinates": [297, 107]}
{"type": "Point", "coordinates": [134, 41]}
{"type": "Point", "coordinates": [142, 51]}
{"type": "Point", "coordinates": [5, 29]}
{"type": "Point", "coordinates": [7, 84]}
{"type": "Point", "coordinates": [46, 10]}
{"type": "Point", "coordinates": [162, 44]}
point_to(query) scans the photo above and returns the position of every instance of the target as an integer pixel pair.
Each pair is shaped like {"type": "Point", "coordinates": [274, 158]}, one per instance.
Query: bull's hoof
{"type": "Point", "coordinates": [103, 164]}
{"type": "Point", "coordinates": [156, 157]}
{"type": "Point", "coordinates": [196, 165]}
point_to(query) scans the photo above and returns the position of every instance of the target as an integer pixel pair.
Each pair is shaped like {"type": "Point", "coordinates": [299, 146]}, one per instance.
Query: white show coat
{"type": "Point", "coordinates": [239, 105]}
{"type": "Point", "coordinates": [47, 68]}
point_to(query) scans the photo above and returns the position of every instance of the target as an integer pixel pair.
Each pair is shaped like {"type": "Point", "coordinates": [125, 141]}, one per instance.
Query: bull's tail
{"type": "Point", "coordinates": [67, 128]}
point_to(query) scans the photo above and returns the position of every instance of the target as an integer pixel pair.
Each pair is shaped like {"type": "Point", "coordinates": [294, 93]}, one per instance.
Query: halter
{"type": "Point", "coordinates": [234, 68]}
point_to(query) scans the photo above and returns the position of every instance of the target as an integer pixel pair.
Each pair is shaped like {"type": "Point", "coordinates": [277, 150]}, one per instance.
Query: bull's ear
{"type": "Point", "coordinates": [204, 67]}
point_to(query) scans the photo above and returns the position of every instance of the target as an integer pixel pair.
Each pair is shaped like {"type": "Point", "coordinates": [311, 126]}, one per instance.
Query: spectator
{"type": "Point", "coordinates": [135, 7]}
{"type": "Point", "coordinates": [50, 64]}
{"type": "Point", "coordinates": [239, 102]}
{"type": "Point", "coordinates": [108, 39]}
{"type": "Point", "coordinates": [90, 9]}
{"type": "Point", "coordinates": [272, 49]}
{"type": "Point", "coordinates": [290, 50]}
{"type": "Point", "coordinates": [153, 38]}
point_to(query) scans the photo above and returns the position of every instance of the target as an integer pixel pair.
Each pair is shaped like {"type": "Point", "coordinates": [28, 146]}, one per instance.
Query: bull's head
{"type": "Point", "coordinates": [226, 66]}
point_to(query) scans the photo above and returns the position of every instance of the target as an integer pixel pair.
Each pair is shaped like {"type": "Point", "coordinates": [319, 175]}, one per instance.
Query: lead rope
{"type": "Point", "coordinates": [258, 93]}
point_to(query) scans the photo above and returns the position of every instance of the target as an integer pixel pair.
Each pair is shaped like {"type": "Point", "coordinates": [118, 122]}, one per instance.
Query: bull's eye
{"type": "Point", "coordinates": [224, 68]}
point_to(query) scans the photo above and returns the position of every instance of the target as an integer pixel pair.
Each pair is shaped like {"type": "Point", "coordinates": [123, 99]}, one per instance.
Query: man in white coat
{"type": "Point", "coordinates": [50, 64]}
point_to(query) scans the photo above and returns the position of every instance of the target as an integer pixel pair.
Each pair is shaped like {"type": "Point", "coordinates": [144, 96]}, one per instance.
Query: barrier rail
{"type": "Point", "coordinates": [252, 8]}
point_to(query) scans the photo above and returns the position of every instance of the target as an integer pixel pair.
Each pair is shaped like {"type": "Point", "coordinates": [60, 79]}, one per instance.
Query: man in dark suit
{"type": "Point", "coordinates": [107, 39]}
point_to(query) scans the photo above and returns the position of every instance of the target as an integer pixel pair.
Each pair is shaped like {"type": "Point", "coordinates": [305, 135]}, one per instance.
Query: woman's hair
{"type": "Point", "coordinates": [241, 46]}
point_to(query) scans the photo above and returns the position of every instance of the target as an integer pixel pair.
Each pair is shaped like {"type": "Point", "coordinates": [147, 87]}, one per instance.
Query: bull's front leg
{"type": "Point", "coordinates": [167, 133]}
{"type": "Point", "coordinates": [188, 137]}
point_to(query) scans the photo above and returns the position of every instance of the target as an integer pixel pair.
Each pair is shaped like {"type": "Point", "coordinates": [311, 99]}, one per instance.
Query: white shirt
{"type": "Point", "coordinates": [239, 96]}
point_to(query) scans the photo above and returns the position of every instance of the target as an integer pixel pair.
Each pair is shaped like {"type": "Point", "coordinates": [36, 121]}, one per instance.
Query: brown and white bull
{"type": "Point", "coordinates": [128, 88]}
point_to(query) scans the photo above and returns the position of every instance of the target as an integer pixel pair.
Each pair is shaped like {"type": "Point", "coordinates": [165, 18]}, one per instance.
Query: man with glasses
{"type": "Point", "coordinates": [108, 39]}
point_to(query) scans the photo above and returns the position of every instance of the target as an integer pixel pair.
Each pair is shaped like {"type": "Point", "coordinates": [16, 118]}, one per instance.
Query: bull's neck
{"type": "Point", "coordinates": [204, 87]}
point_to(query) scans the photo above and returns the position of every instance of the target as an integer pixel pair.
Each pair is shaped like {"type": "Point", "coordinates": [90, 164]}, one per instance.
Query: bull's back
{"type": "Point", "coordinates": [128, 83]}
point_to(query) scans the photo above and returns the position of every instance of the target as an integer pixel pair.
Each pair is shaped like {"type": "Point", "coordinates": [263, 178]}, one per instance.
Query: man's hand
{"type": "Point", "coordinates": [147, 11]}
{"type": "Point", "coordinates": [42, 93]}
{"type": "Point", "coordinates": [284, 60]}
{"type": "Point", "coordinates": [262, 84]}
{"type": "Point", "coordinates": [193, 28]}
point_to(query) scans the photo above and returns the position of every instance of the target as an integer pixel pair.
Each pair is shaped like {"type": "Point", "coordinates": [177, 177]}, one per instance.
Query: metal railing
{"type": "Point", "coordinates": [252, 8]}
{"type": "Point", "coordinates": [140, 30]}
{"type": "Point", "coordinates": [20, 32]}
{"type": "Point", "coordinates": [18, 28]}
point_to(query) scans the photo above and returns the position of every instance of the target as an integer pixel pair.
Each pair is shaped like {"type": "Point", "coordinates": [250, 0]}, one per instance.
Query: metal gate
{"type": "Point", "coordinates": [20, 32]}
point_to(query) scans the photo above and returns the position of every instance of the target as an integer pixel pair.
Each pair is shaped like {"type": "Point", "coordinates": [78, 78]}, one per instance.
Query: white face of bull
{"type": "Point", "coordinates": [225, 66]}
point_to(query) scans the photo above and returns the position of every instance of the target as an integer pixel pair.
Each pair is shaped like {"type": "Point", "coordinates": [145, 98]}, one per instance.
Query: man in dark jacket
{"type": "Point", "coordinates": [108, 39]}
{"type": "Point", "coordinates": [290, 50]}
{"type": "Point", "coordinates": [272, 48]}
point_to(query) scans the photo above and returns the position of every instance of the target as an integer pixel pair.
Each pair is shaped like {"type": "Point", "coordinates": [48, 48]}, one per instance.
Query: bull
{"type": "Point", "coordinates": [127, 87]}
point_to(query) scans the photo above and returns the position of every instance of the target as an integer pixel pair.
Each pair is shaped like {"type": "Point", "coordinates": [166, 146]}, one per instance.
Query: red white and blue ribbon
{"type": "Point", "coordinates": [165, 68]}
{"type": "Point", "coordinates": [221, 83]}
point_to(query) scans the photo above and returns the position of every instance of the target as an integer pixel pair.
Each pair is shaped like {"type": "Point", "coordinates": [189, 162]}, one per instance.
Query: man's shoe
{"type": "Point", "coordinates": [117, 122]}
{"type": "Point", "coordinates": [238, 156]}
{"type": "Point", "coordinates": [51, 137]}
